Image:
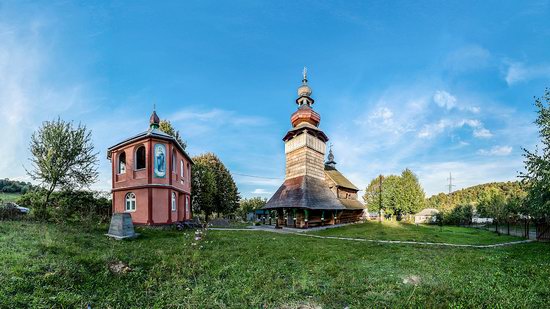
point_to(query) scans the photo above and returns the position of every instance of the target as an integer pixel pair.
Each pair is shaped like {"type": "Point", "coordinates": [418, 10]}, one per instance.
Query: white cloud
{"type": "Point", "coordinates": [469, 57]}
{"type": "Point", "coordinates": [30, 89]}
{"type": "Point", "coordinates": [496, 151]}
{"type": "Point", "coordinates": [434, 129]}
{"type": "Point", "coordinates": [517, 72]}
{"type": "Point", "coordinates": [260, 191]}
{"type": "Point", "coordinates": [218, 116]}
{"type": "Point", "coordinates": [482, 133]}
{"type": "Point", "coordinates": [444, 99]}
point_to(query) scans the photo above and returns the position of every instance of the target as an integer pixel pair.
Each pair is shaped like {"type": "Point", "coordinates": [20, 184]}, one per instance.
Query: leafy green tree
{"type": "Point", "coordinates": [536, 178]}
{"type": "Point", "coordinates": [251, 204]}
{"type": "Point", "coordinates": [493, 204]}
{"type": "Point", "coordinates": [397, 195]}
{"type": "Point", "coordinates": [373, 193]}
{"type": "Point", "coordinates": [203, 188]}
{"type": "Point", "coordinates": [392, 198]}
{"type": "Point", "coordinates": [413, 196]}
{"type": "Point", "coordinates": [461, 214]}
{"type": "Point", "coordinates": [473, 195]}
{"type": "Point", "coordinates": [167, 127]}
{"type": "Point", "coordinates": [226, 197]}
{"type": "Point", "coordinates": [62, 157]}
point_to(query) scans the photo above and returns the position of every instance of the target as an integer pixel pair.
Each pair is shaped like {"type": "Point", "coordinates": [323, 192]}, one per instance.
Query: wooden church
{"type": "Point", "coordinates": [314, 192]}
{"type": "Point", "coordinates": [151, 176]}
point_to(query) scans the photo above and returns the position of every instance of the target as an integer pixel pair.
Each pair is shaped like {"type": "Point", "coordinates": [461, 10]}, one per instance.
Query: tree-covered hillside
{"type": "Point", "coordinates": [473, 195]}
{"type": "Point", "coordinates": [14, 186]}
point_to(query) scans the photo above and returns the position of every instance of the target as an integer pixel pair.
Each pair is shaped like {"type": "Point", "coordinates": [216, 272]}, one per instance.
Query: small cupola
{"type": "Point", "coordinates": [154, 121]}
{"type": "Point", "coordinates": [330, 162]}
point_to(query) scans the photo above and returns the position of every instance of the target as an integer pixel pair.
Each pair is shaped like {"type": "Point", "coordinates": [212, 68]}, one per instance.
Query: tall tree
{"type": "Point", "coordinates": [226, 197]}
{"type": "Point", "coordinates": [536, 178]}
{"type": "Point", "coordinates": [203, 188]}
{"type": "Point", "coordinates": [413, 195]}
{"type": "Point", "coordinates": [392, 197]}
{"type": "Point", "coordinates": [62, 157]}
{"type": "Point", "coordinates": [396, 195]}
{"type": "Point", "coordinates": [373, 193]}
{"type": "Point", "coordinates": [167, 127]}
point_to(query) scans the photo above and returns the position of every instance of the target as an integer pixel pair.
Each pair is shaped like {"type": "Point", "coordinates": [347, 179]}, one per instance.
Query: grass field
{"type": "Point", "coordinates": [423, 233]}
{"type": "Point", "coordinates": [9, 197]}
{"type": "Point", "coordinates": [44, 265]}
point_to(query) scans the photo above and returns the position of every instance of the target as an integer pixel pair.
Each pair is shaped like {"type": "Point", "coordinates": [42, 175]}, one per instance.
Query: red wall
{"type": "Point", "coordinates": [143, 181]}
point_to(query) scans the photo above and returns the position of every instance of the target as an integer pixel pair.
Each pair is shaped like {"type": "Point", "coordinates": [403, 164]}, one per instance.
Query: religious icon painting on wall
{"type": "Point", "coordinates": [160, 160]}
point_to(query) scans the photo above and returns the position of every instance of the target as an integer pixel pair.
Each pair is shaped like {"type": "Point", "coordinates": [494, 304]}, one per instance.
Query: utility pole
{"type": "Point", "coordinates": [450, 179]}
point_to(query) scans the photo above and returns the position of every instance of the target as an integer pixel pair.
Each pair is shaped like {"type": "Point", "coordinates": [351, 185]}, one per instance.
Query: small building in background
{"type": "Point", "coordinates": [428, 215]}
{"type": "Point", "coordinates": [151, 177]}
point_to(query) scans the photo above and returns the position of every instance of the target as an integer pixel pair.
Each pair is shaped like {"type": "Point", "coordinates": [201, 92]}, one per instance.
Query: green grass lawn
{"type": "Point", "coordinates": [9, 197]}
{"type": "Point", "coordinates": [45, 265]}
{"type": "Point", "coordinates": [423, 233]}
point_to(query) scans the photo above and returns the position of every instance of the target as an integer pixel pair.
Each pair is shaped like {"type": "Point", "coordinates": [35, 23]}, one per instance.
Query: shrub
{"type": "Point", "coordinates": [69, 206]}
{"type": "Point", "coordinates": [461, 214]}
{"type": "Point", "coordinates": [9, 213]}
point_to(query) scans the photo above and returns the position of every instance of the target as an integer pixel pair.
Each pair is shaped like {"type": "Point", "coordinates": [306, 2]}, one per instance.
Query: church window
{"type": "Point", "coordinates": [182, 169]}
{"type": "Point", "coordinates": [121, 169]}
{"type": "Point", "coordinates": [130, 202]}
{"type": "Point", "coordinates": [174, 161]}
{"type": "Point", "coordinates": [174, 203]}
{"type": "Point", "coordinates": [140, 158]}
{"type": "Point", "coordinates": [187, 207]}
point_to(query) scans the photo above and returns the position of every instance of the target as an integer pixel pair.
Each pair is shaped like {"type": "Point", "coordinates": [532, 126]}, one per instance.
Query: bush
{"type": "Point", "coordinates": [69, 206]}
{"type": "Point", "coordinates": [459, 215]}
{"type": "Point", "coordinates": [9, 213]}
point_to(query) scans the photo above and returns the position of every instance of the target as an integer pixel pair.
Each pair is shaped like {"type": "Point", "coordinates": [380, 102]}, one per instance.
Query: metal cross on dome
{"type": "Point", "coordinates": [304, 73]}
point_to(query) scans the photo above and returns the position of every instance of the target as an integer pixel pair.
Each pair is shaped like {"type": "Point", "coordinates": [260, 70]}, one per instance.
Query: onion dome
{"type": "Point", "coordinates": [154, 121]}
{"type": "Point", "coordinates": [304, 91]}
{"type": "Point", "coordinates": [305, 114]}
{"type": "Point", "coordinates": [330, 162]}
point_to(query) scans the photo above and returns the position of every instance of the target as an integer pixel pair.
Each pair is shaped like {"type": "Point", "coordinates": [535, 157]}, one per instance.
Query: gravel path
{"type": "Point", "coordinates": [283, 231]}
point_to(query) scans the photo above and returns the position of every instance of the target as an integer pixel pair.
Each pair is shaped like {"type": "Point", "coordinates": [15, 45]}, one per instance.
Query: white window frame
{"type": "Point", "coordinates": [174, 202]}
{"type": "Point", "coordinates": [182, 171]}
{"type": "Point", "coordinates": [121, 168]}
{"type": "Point", "coordinates": [174, 160]}
{"type": "Point", "coordinates": [187, 212]}
{"type": "Point", "coordinates": [130, 202]}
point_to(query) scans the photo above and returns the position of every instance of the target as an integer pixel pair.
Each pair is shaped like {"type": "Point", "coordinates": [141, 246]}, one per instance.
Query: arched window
{"type": "Point", "coordinates": [121, 169]}
{"type": "Point", "coordinates": [174, 202]}
{"type": "Point", "coordinates": [187, 207]}
{"type": "Point", "coordinates": [174, 161]}
{"type": "Point", "coordinates": [140, 158]}
{"type": "Point", "coordinates": [182, 169]}
{"type": "Point", "coordinates": [130, 202]}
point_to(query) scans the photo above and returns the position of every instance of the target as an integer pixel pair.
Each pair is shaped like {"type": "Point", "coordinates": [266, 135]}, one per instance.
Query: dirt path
{"type": "Point", "coordinates": [282, 231]}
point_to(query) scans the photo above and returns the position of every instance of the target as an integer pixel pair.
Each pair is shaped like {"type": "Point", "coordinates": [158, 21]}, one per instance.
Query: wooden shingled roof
{"type": "Point", "coordinates": [339, 179]}
{"type": "Point", "coordinates": [351, 204]}
{"type": "Point", "coordinates": [304, 192]}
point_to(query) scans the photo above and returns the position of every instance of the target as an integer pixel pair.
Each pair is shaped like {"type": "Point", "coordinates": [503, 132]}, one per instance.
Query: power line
{"type": "Point", "coordinates": [254, 176]}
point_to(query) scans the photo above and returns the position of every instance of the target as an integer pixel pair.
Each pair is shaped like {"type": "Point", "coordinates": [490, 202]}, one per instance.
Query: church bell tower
{"type": "Point", "coordinates": [305, 143]}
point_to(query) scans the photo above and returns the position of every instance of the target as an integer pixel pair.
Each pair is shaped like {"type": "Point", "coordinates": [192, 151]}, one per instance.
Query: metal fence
{"type": "Point", "coordinates": [525, 229]}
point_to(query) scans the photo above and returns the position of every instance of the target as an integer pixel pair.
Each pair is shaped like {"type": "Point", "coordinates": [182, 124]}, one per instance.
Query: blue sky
{"type": "Point", "coordinates": [434, 86]}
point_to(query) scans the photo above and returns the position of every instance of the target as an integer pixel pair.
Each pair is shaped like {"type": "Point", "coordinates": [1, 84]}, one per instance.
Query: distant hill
{"type": "Point", "coordinates": [471, 195]}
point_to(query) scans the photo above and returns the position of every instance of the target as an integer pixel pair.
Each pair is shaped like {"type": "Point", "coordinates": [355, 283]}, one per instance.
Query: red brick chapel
{"type": "Point", "coordinates": [151, 175]}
